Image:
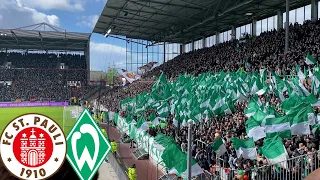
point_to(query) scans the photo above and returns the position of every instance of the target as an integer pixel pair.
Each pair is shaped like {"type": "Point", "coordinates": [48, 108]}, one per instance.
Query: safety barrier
{"type": "Point", "coordinates": [118, 169]}
{"type": "Point", "coordinates": [291, 169]}
{"type": "Point", "coordinates": [294, 168]}
{"type": "Point", "coordinates": [201, 144]}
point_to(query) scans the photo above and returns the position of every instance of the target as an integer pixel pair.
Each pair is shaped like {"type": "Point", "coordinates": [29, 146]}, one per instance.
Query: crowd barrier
{"type": "Point", "coordinates": [120, 172]}
{"type": "Point", "coordinates": [296, 168]}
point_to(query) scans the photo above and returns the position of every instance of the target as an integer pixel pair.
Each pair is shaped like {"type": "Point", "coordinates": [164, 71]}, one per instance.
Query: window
{"type": "Point", "coordinates": [270, 23]}
{"type": "Point", "coordinates": [238, 33]}
{"type": "Point", "coordinates": [259, 30]}
{"type": "Point", "coordinates": [221, 37]}
{"type": "Point", "coordinates": [264, 25]}
{"type": "Point", "coordinates": [242, 29]}
{"type": "Point", "coordinates": [300, 15]}
{"type": "Point", "coordinates": [248, 28]}
{"type": "Point", "coordinates": [292, 16]}
{"type": "Point", "coordinates": [307, 12]}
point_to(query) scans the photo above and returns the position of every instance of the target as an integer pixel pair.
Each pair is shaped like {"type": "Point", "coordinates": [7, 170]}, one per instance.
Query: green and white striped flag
{"type": "Point", "coordinates": [142, 124]}
{"type": "Point", "coordinates": [300, 73]}
{"type": "Point", "coordinates": [279, 125]}
{"type": "Point", "coordinates": [262, 91]}
{"type": "Point", "coordinates": [218, 147]}
{"type": "Point", "coordinates": [164, 110]}
{"type": "Point", "coordinates": [246, 148]}
{"type": "Point", "coordinates": [274, 150]}
{"type": "Point", "coordinates": [310, 60]}
{"type": "Point", "coordinates": [300, 119]}
{"type": "Point", "coordinates": [254, 130]}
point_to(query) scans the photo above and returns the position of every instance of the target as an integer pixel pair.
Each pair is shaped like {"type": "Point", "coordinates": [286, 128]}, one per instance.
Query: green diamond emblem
{"type": "Point", "coordinates": [87, 146]}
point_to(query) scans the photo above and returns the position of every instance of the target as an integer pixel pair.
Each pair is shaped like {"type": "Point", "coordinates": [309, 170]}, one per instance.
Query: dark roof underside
{"type": "Point", "coordinates": [43, 40]}
{"type": "Point", "coordinates": [179, 21]}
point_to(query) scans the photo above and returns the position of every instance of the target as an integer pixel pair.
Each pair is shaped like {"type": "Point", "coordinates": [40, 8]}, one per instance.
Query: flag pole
{"type": "Point", "coordinates": [190, 123]}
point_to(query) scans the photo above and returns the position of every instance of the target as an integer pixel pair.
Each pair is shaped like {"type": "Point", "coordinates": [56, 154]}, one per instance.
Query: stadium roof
{"type": "Point", "coordinates": [182, 20]}
{"type": "Point", "coordinates": [43, 37]}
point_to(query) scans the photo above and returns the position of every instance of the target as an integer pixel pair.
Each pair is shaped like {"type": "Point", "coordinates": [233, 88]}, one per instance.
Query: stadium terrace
{"type": "Point", "coordinates": [231, 89]}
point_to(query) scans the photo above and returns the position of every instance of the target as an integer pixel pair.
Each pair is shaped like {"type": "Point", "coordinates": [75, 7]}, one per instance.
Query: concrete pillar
{"type": "Point", "coordinates": [164, 52]}
{"type": "Point", "coordinates": [314, 10]}
{"type": "Point", "coordinates": [217, 38]}
{"type": "Point", "coordinates": [233, 32]}
{"type": "Point", "coordinates": [280, 19]}
{"type": "Point", "coordinates": [192, 45]}
{"type": "Point", "coordinates": [181, 49]}
{"type": "Point", "coordinates": [286, 49]}
{"type": "Point", "coordinates": [204, 42]}
{"type": "Point", "coordinates": [254, 27]}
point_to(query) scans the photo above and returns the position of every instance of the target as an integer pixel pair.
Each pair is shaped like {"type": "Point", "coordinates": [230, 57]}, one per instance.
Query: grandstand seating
{"type": "Point", "coordinates": [37, 76]}
{"type": "Point", "coordinates": [265, 51]}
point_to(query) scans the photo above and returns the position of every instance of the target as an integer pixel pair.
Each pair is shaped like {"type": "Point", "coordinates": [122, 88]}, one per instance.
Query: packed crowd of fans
{"type": "Point", "coordinates": [264, 51]}
{"type": "Point", "coordinates": [111, 98]}
{"type": "Point", "coordinates": [39, 76]}
{"type": "Point", "coordinates": [42, 60]}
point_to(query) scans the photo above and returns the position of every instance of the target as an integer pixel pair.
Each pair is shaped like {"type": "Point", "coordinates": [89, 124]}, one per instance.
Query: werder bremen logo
{"type": "Point", "coordinates": [87, 146]}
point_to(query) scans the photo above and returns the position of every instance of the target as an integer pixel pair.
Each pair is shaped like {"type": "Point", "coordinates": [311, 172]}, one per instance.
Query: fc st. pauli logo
{"type": "Point", "coordinates": [33, 146]}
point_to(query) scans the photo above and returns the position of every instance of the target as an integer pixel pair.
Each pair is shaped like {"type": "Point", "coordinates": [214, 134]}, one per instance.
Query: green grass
{"type": "Point", "coordinates": [56, 113]}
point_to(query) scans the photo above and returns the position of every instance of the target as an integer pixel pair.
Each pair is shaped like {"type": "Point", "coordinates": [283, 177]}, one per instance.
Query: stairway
{"type": "Point", "coordinates": [140, 154]}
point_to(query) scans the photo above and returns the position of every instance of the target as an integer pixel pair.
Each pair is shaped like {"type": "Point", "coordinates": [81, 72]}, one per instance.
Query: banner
{"type": "Point", "coordinates": [32, 104]}
{"type": "Point", "coordinates": [129, 76]}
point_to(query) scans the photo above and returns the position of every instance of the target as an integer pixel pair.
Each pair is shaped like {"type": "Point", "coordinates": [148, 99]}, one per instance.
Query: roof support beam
{"type": "Point", "coordinates": [119, 32]}
{"type": "Point", "coordinates": [167, 14]}
{"type": "Point", "coordinates": [16, 37]}
{"type": "Point", "coordinates": [148, 19]}
{"type": "Point", "coordinates": [199, 6]}
{"type": "Point", "coordinates": [214, 17]}
{"type": "Point", "coordinates": [170, 4]}
{"type": "Point", "coordinates": [118, 14]}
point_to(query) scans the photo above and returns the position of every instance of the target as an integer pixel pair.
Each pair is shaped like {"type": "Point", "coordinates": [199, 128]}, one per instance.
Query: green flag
{"type": "Point", "coordinates": [218, 147]}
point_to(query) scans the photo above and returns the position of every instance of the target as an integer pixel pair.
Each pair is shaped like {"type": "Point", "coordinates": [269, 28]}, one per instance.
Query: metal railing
{"type": "Point", "coordinates": [295, 168]}
{"type": "Point", "coordinates": [118, 169]}
{"type": "Point", "coordinates": [201, 144]}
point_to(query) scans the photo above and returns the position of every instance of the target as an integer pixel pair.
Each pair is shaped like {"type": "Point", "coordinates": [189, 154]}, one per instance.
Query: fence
{"type": "Point", "coordinates": [292, 169]}
{"type": "Point", "coordinates": [296, 168]}
{"type": "Point", "coordinates": [120, 172]}
{"type": "Point", "coordinates": [201, 144]}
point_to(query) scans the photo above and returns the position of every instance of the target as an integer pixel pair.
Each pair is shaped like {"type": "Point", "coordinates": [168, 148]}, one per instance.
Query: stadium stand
{"type": "Point", "coordinates": [38, 76]}
{"type": "Point", "coordinates": [255, 53]}
{"type": "Point", "coordinates": [264, 51]}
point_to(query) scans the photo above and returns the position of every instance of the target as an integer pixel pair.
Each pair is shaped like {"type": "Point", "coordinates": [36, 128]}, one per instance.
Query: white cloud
{"type": "Point", "coordinates": [88, 21]}
{"type": "Point", "coordinates": [15, 15]}
{"type": "Point", "coordinates": [64, 5]}
{"type": "Point", "coordinates": [103, 55]}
